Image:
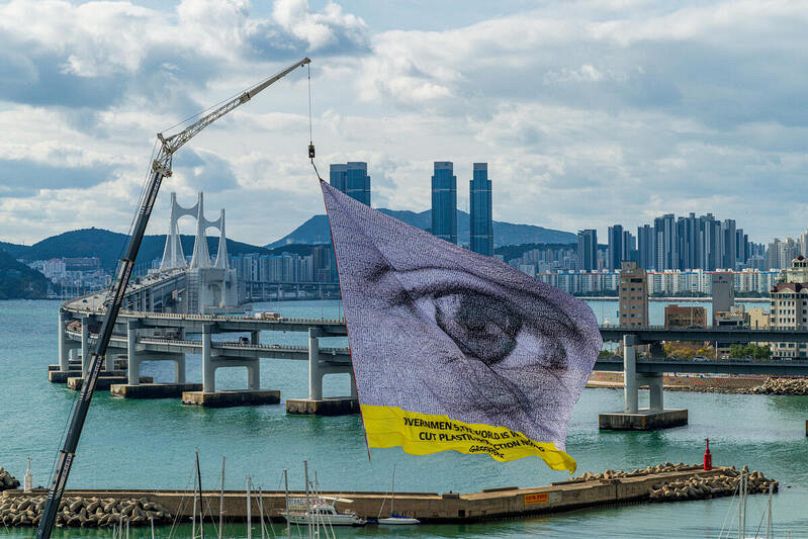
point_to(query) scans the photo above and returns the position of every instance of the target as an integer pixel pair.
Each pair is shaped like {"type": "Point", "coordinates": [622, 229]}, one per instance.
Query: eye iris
{"type": "Point", "coordinates": [482, 326]}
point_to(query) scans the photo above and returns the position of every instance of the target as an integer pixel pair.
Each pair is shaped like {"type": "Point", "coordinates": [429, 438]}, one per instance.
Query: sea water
{"type": "Point", "coordinates": [151, 443]}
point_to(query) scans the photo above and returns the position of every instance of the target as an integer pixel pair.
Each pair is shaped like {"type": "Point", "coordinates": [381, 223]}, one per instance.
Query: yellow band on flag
{"type": "Point", "coordinates": [423, 434]}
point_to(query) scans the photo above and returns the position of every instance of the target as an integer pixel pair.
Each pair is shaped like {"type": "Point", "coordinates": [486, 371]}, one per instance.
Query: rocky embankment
{"type": "Point", "coordinates": [697, 487]}
{"type": "Point", "coordinates": [783, 386]}
{"type": "Point", "coordinates": [7, 481]}
{"type": "Point", "coordinates": [619, 474]}
{"type": "Point", "coordinates": [19, 511]}
{"type": "Point", "coordinates": [716, 486]}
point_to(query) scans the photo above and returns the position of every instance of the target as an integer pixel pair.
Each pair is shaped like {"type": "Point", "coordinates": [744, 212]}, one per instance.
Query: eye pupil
{"type": "Point", "coordinates": [483, 327]}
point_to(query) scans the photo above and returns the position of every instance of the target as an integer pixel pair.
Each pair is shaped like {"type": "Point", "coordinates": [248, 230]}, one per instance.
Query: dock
{"type": "Point", "coordinates": [499, 503]}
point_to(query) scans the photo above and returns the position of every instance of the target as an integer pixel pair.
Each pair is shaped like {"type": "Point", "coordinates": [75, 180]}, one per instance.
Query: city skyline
{"type": "Point", "coordinates": [612, 121]}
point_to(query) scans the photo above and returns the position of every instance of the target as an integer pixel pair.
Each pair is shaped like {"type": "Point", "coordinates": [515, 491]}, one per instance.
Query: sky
{"type": "Point", "coordinates": [589, 112]}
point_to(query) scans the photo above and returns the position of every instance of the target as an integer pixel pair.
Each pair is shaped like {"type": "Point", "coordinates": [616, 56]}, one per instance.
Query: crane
{"type": "Point", "coordinates": [160, 168]}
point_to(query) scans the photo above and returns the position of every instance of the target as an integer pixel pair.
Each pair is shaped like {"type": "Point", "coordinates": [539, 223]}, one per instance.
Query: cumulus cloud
{"type": "Point", "coordinates": [589, 112]}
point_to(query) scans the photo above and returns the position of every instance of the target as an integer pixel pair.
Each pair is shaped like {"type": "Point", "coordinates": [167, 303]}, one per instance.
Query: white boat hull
{"type": "Point", "coordinates": [398, 521]}
{"type": "Point", "coordinates": [328, 520]}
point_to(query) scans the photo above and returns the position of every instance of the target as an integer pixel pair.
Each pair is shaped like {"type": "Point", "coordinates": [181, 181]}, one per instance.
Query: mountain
{"type": "Point", "coordinates": [315, 230]}
{"type": "Point", "coordinates": [13, 249]}
{"type": "Point", "coordinates": [18, 281]}
{"type": "Point", "coordinates": [109, 246]}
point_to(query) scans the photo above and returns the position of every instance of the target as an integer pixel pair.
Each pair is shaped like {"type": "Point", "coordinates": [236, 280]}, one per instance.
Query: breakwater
{"type": "Point", "coordinates": [589, 490]}
{"type": "Point", "coordinates": [7, 481]}
{"type": "Point", "coordinates": [783, 386]}
{"type": "Point", "coordinates": [83, 512]}
{"type": "Point", "coordinates": [716, 486]}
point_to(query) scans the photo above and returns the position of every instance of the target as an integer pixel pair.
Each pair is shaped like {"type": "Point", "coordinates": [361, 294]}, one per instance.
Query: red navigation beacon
{"type": "Point", "coordinates": [708, 457]}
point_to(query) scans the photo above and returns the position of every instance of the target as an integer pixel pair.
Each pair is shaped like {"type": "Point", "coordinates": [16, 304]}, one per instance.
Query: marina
{"type": "Point", "coordinates": [146, 444]}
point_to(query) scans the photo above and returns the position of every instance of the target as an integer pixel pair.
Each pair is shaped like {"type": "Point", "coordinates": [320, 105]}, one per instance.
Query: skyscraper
{"type": "Point", "coordinates": [587, 250]}
{"type": "Point", "coordinates": [481, 232]}
{"type": "Point", "coordinates": [616, 249]}
{"type": "Point", "coordinates": [646, 247]}
{"type": "Point", "coordinates": [667, 244]}
{"type": "Point", "coordinates": [337, 176]}
{"type": "Point", "coordinates": [444, 201]}
{"type": "Point", "coordinates": [352, 179]}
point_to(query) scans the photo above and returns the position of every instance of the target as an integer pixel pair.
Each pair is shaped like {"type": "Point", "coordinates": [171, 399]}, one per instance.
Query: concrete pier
{"type": "Point", "coordinates": [152, 391]}
{"type": "Point", "coordinates": [328, 406]}
{"type": "Point", "coordinates": [104, 382]}
{"type": "Point", "coordinates": [632, 417]}
{"type": "Point", "coordinates": [223, 399]}
{"type": "Point", "coordinates": [428, 507]}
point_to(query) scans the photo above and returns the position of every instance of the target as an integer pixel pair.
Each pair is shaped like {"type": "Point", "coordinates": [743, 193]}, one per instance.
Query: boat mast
{"type": "Point", "coordinates": [308, 500]}
{"type": "Point", "coordinates": [286, 497]}
{"type": "Point", "coordinates": [769, 517]}
{"type": "Point", "coordinates": [393, 494]}
{"type": "Point", "coordinates": [249, 509]}
{"type": "Point", "coordinates": [221, 502]}
{"type": "Point", "coordinates": [201, 509]}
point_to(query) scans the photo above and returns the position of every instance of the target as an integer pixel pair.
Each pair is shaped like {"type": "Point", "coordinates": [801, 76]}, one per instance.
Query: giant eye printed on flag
{"type": "Point", "coordinates": [453, 350]}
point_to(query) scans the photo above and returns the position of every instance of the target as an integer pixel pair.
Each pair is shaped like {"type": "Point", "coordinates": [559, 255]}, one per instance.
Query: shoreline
{"type": "Point", "coordinates": [737, 385]}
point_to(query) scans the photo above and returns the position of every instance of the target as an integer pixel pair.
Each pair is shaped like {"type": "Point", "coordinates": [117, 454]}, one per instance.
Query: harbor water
{"type": "Point", "coordinates": [150, 444]}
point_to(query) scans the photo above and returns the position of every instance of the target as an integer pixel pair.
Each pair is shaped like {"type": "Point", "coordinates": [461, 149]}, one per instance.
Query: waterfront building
{"type": "Point", "coordinates": [633, 295]}
{"type": "Point", "coordinates": [685, 317]}
{"type": "Point", "coordinates": [789, 307]}
{"type": "Point", "coordinates": [352, 179]}
{"type": "Point", "coordinates": [722, 289]}
{"type": "Point", "coordinates": [481, 223]}
{"type": "Point", "coordinates": [444, 201]}
{"type": "Point", "coordinates": [587, 250]}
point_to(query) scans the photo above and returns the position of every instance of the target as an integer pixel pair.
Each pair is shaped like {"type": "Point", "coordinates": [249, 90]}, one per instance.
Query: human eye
{"type": "Point", "coordinates": [501, 327]}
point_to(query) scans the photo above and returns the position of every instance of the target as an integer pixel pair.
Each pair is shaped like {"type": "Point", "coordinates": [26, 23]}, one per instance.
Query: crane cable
{"type": "Point", "coordinates": [311, 137]}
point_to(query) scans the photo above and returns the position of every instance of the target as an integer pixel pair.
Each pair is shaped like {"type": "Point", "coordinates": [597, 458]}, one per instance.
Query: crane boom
{"type": "Point", "coordinates": [161, 167]}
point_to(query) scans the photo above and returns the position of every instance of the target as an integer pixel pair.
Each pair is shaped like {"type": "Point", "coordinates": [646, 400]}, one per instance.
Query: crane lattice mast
{"type": "Point", "coordinates": [161, 167]}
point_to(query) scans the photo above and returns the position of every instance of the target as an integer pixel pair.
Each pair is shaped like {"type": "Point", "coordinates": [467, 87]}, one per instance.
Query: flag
{"type": "Point", "coordinates": [453, 350]}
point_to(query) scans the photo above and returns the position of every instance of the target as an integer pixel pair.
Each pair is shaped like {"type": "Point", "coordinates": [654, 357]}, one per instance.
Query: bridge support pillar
{"type": "Point", "coordinates": [632, 417]}
{"type": "Point", "coordinates": [654, 382]}
{"type": "Point", "coordinates": [316, 404]}
{"type": "Point", "coordinates": [133, 361]}
{"type": "Point", "coordinates": [315, 376]}
{"type": "Point", "coordinates": [180, 369]}
{"type": "Point", "coordinates": [631, 395]}
{"type": "Point", "coordinates": [254, 376]}
{"type": "Point", "coordinates": [62, 344]}
{"type": "Point", "coordinates": [354, 392]}
{"type": "Point", "coordinates": [85, 345]}
{"type": "Point", "coordinates": [208, 369]}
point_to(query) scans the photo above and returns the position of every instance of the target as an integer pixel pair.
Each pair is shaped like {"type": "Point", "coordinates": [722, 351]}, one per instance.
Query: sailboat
{"type": "Point", "coordinates": [394, 519]}
{"type": "Point", "coordinates": [318, 510]}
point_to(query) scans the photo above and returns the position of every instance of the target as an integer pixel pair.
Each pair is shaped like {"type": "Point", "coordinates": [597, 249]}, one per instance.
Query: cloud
{"type": "Point", "coordinates": [589, 112]}
{"type": "Point", "coordinates": [204, 170]}
{"type": "Point", "coordinates": [100, 54]}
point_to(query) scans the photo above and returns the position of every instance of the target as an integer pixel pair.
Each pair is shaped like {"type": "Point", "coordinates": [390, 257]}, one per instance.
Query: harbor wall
{"type": "Point", "coordinates": [428, 507]}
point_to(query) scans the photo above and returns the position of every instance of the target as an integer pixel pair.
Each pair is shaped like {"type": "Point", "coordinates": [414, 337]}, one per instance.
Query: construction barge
{"type": "Point", "coordinates": [500, 503]}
